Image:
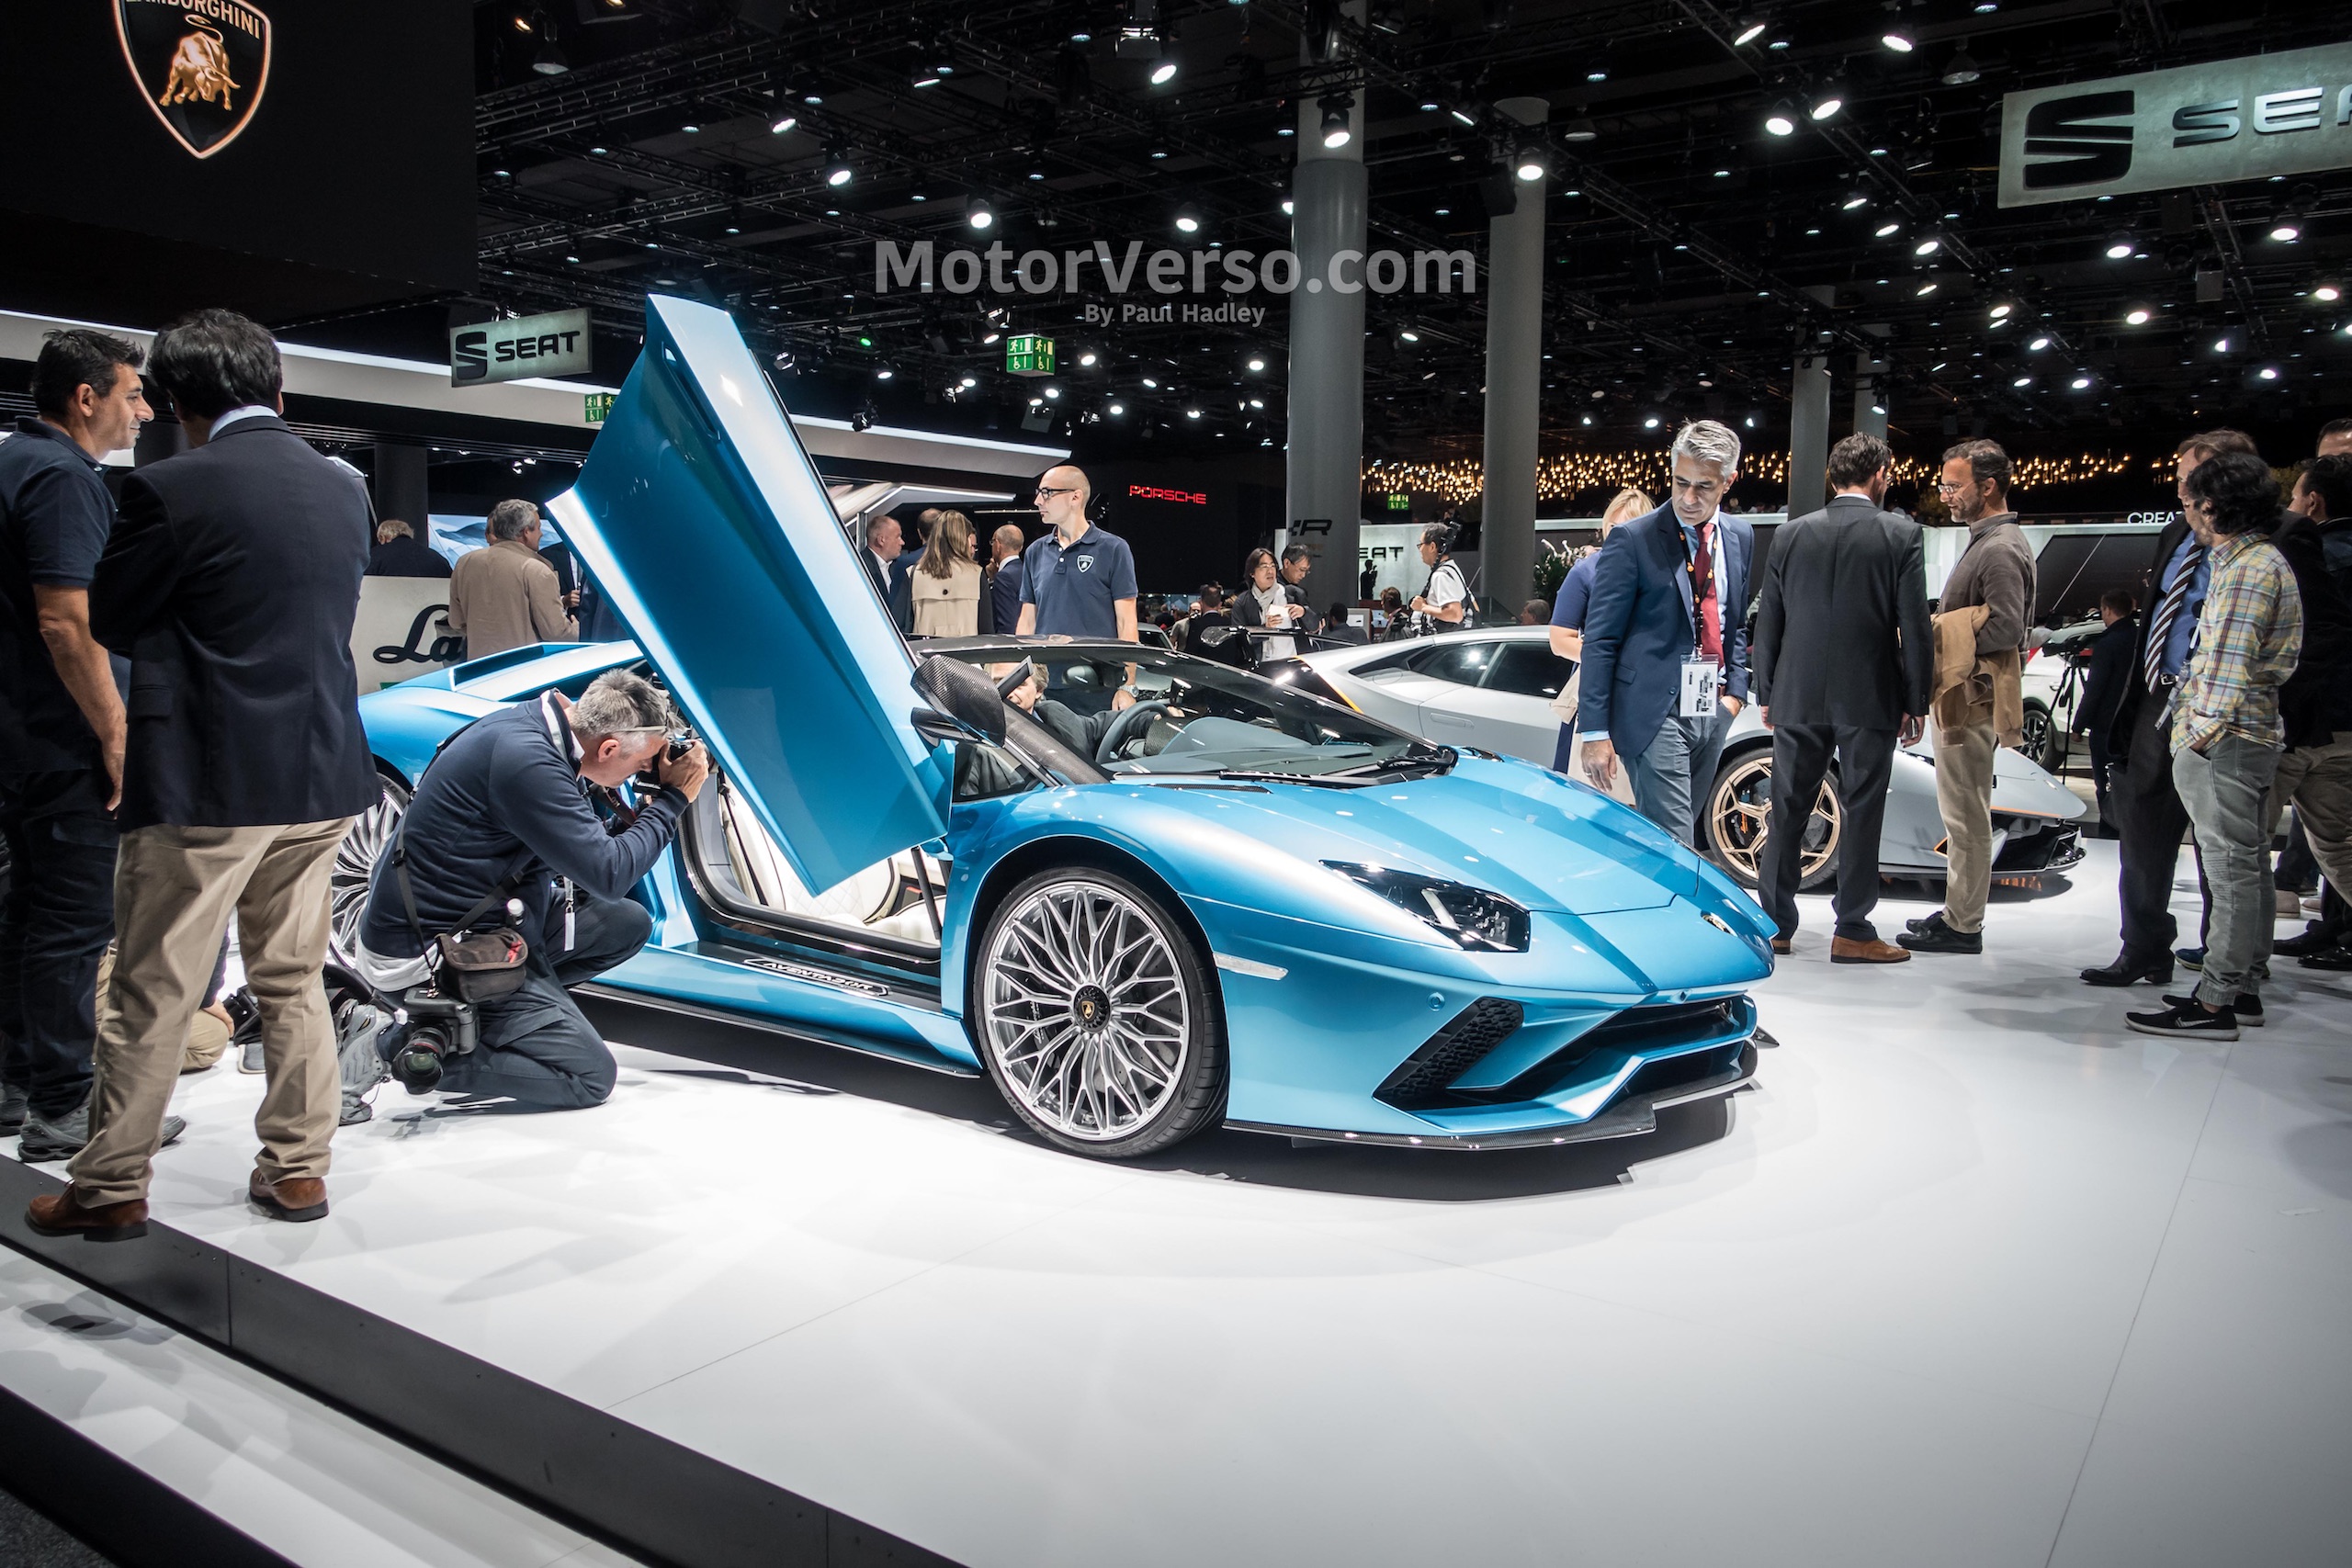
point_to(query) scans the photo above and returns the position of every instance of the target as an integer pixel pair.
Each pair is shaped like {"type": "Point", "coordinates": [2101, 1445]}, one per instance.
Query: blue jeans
{"type": "Point", "coordinates": [537, 1048]}
{"type": "Point", "coordinates": [1671, 778]}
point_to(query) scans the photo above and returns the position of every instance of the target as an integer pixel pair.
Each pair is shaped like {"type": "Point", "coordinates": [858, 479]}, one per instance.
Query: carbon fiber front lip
{"type": "Point", "coordinates": [1626, 1118]}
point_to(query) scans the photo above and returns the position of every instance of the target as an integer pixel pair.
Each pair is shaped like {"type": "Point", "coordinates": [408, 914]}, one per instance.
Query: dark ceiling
{"type": "Point", "coordinates": [1690, 250]}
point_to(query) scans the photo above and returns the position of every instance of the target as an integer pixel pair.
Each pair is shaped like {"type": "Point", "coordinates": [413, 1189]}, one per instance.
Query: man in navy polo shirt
{"type": "Point", "coordinates": [1078, 581]}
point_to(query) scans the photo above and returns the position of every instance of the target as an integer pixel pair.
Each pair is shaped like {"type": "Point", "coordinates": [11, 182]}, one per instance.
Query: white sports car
{"type": "Point", "coordinates": [1491, 689]}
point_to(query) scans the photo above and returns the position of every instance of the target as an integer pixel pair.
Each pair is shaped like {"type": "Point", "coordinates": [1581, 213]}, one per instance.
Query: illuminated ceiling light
{"type": "Point", "coordinates": [1924, 289]}
{"type": "Point", "coordinates": [1053, 391]}
{"type": "Point", "coordinates": [883, 373]}
{"type": "Point", "coordinates": [1151, 383]}
{"type": "Point", "coordinates": [1929, 245]}
{"type": "Point", "coordinates": [2328, 291]}
{"type": "Point", "coordinates": [925, 77]}
{"type": "Point", "coordinates": [1598, 70]}
{"type": "Point", "coordinates": [2286, 231]}
{"type": "Point", "coordinates": [1087, 357]}
{"type": "Point", "coordinates": [2001, 312]}
{"type": "Point", "coordinates": [2119, 245]}
{"type": "Point", "coordinates": [1117, 409]}
{"type": "Point", "coordinates": [2139, 316]}
{"type": "Point", "coordinates": [1163, 73]}
{"type": "Point", "coordinates": [2082, 380]}
{"type": "Point", "coordinates": [1750, 29]}
{"type": "Point", "coordinates": [1897, 42]}
{"type": "Point", "coordinates": [1650, 423]}
{"type": "Point", "coordinates": [1465, 116]}
{"type": "Point", "coordinates": [2022, 381]}
{"type": "Point", "coordinates": [1532, 163]}
{"type": "Point", "coordinates": [1288, 205]}
{"type": "Point", "coordinates": [522, 22]}
{"type": "Point", "coordinates": [1962, 68]}
{"type": "Point", "coordinates": [989, 337]}
{"type": "Point", "coordinates": [1191, 413]}
{"type": "Point", "coordinates": [2268, 372]}
{"type": "Point", "coordinates": [1579, 129]}
{"type": "Point", "coordinates": [1256, 362]}
{"type": "Point", "coordinates": [1187, 220]}
{"type": "Point", "coordinates": [1826, 105]}
{"type": "Point", "coordinates": [2221, 346]}
{"type": "Point", "coordinates": [1336, 131]}
{"type": "Point", "coordinates": [968, 382]}
{"type": "Point", "coordinates": [2038, 344]}
{"type": "Point", "coordinates": [783, 125]}
{"type": "Point", "coordinates": [1854, 199]}
{"type": "Point", "coordinates": [1406, 334]}
{"type": "Point", "coordinates": [691, 130]}
{"type": "Point", "coordinates": [837, 170]}
{"type": "Point", "coordinates": [1431, 103]}
{"type": "Point", "coordinates": [1891, 226]}
{"type": "Point", "coordinates": [982, 216]}
{"type": "Point", "coordinates": [1782, 120]}
{"type": "Point", "coordinates": [1586, 419]}
{"type": "Point", "coordinates": [550, 60]}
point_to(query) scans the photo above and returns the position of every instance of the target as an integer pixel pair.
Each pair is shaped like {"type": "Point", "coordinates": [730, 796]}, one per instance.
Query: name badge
{"type": "Point", "coordinates": [1699, 678]}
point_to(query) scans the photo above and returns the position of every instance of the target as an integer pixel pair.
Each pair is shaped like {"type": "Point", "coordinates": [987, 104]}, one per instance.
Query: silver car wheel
{"type": "Point", "coordinates": [1084, 1010]}
{"type": "Point", "coordinates": [354, 864]}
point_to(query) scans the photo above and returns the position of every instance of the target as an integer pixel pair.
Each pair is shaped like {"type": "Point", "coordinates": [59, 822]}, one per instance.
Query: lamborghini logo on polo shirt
{"type": "Point", "coordinates": [1086, 563]}
{"type": "Point", "coordinates": [202, 66]}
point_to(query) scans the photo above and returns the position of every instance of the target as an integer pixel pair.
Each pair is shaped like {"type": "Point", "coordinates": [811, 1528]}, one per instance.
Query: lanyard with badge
{"type": "Point", "coordinates": [1701, 675]}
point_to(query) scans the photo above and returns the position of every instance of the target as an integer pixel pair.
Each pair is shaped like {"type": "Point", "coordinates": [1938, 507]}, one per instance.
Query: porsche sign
{"type": "Point", "coordinates": [201, 65]}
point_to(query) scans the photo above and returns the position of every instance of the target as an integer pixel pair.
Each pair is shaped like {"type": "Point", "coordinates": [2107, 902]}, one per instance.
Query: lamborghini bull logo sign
{"type": "Point", "coordinates": [202, 66]}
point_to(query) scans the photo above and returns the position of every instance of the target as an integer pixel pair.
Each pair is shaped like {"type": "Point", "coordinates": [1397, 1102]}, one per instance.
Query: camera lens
{"type": "Point", "coordinates": [416, 1061]}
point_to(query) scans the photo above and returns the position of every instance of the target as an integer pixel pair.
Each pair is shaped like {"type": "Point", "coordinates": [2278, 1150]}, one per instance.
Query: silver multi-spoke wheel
{"type": "Point", "coordinates": [1739, 816]}
{"type": "Point", "coordinates": [1094, 1015]}
{"type": "Point", "coordinates": [354, 863]}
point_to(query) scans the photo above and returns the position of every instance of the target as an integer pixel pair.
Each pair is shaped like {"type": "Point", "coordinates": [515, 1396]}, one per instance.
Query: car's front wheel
{"type": "Point", "coordinates": [1096, 1016]}
{"type": "Point", "coordinates": [1739, 813]}
{"type": "Point", "coordinates": [369, 839]}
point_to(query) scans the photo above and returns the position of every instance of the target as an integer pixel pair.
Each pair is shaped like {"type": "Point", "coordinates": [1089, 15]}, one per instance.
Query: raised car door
{"type": "Point", "coordinates": [699, 513]}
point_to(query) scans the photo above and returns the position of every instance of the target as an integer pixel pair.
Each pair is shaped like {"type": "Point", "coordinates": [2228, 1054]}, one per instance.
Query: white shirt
{"type": "Point", "coordinates": [243, 410]}
{"type": "Point", "coordinates": [1446, 587]}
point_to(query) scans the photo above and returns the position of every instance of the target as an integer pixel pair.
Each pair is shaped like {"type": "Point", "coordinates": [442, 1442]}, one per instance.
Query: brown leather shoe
{"type": "Point", "coordinates": [63, 1213]}
{"type": "Point", "coordinates": [1845, 950]}
{"type": "Point", "coordinates": [297, 1198]}
{"type": "Point", "coordinates": [1782, 945]}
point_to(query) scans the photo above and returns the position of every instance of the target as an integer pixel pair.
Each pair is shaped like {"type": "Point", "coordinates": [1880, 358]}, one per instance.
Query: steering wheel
{"type": "Point", "coordinates": [1125, 728]}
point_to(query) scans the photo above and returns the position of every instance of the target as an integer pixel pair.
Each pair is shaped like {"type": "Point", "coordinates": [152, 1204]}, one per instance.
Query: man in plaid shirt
{"type": "Point", "coordinates": [2226, 735]}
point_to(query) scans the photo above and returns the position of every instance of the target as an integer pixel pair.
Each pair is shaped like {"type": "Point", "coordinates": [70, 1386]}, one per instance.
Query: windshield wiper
{"type": "Point", "coordinates": [1437, 760]}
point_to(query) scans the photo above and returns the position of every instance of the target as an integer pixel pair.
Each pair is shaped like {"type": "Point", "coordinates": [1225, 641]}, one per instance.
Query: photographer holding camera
{"type": "Point", "coordinates": [508, 874]}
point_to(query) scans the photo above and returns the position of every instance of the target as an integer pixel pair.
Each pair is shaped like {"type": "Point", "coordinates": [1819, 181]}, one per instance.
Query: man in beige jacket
{"type": "Point", "coordinates": [506, 596]}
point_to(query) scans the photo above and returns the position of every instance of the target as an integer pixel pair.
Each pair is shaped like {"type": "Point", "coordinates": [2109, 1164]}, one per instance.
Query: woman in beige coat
{"type": "Point", "coordinates": [946, 582]}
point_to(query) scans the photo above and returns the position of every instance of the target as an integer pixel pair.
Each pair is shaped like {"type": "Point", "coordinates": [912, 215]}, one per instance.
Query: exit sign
{"type": "Point", "coordinates": [1400, 503]}
{"type": "Point", "coordinates": [600, 407]}
{"type": "Point", "coordinates": [1029, 354]}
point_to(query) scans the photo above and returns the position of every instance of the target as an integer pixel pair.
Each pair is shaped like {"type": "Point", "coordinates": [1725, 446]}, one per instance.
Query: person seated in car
{"type": "Point", "coordinates": [510, 808]}
{"type": "Point", "coordinates": [1080, 732]}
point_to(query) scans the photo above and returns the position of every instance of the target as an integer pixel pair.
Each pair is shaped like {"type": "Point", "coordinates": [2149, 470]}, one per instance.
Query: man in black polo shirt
{"type": "Point", "coordinates": [62, 725]}
{"type": "Point", "coordinates": [1078, 581]}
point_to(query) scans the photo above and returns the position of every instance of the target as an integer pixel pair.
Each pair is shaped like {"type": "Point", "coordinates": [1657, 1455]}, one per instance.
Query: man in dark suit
{"type": "Point", "coordinates": [1670, 591]}
{"type": "Point", "coordinates": [1844, 657]}
{"type": "Point", "coordinates": [1000, 605]}
{"type": "Point", "coordinates": [399, 553]}
{"type": "Point", "coordinates": [880, 558]}
{"type": "Point", "coordinates": [2149, 816]}
{"type": "Point", "coordinates": [2103, 688]}
{"type": "Point", "coordinates": [231, 581]}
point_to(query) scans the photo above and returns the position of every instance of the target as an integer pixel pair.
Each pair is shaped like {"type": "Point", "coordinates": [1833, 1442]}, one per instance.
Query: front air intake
{"type": "Point", "coordinates": [1420, 1081]}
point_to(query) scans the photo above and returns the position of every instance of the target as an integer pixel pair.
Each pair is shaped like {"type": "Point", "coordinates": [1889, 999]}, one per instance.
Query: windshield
{"type": "Point", "coordinates": [1193, 718]}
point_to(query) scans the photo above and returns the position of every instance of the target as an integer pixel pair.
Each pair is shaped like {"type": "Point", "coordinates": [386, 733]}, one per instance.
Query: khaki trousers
{"type": "Point", "coordinates": [174, 889]}
{"type": "Point", "coordinates": [1964, 796]}
{"type": "Point", "coordinates": [2318, 781]}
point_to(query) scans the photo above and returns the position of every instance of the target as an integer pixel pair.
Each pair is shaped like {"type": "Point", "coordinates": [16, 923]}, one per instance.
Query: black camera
{"type": "Point", "coordinates": [679, 745]}
{"type": "Point", "coordinates": [438, 1027]}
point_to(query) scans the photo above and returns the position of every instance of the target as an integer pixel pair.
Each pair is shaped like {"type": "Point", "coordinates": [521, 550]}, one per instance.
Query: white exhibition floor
{"type": "Point", "coordinates": [1973, 1276]}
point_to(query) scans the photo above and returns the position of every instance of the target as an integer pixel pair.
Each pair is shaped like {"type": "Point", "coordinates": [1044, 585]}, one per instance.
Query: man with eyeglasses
{"type": "Point", "coordinates": [1978, 706]}
{"type": "Point", "coordinates": [1078, 581]}
{"type": "Point", "coordinates": [1666, 637]}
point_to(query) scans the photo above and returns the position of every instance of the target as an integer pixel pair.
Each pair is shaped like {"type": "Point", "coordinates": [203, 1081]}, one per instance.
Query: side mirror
{"type": "Point", "coordinates": [962, 694]}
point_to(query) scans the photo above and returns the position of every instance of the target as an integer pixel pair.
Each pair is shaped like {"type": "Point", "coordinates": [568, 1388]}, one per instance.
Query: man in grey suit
{"type": "Point", "coordinates": [1843, 656]}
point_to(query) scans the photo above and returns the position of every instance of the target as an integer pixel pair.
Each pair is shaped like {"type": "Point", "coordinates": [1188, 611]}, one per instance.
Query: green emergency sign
{"type": "Point", "coordinates": [1029, 354]}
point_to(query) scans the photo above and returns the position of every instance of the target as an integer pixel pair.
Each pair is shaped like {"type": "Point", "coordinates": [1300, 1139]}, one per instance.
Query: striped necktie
{"type": "Point", "coordinates": [2160, 628]}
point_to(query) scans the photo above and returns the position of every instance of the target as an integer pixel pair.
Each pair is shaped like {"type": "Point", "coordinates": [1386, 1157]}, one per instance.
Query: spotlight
{"type": "Point", "coordinates": [968, 382]}
{"type": "Point", "coordinates": [1053, 391]}
{"type": "Point", "coordinates": [1465, 116]}
{"type": "Point", "coordinates": [549, 61]}
{"type": "Point", "coordinates": [1430, 102]}
{"type": "Point", "coordinates": [1256, 362]}
{"type": "Point", "coordinates": [1406, 334]}
{"type": "Point", "coordinates": [2288, 230]}
{"type": "Point", "coordinates": [2269, 373]}
{"type": "Point", "coordinates": [1782, 120]}
{"type": "Point", "coordinates": [1598, 70]}
{"type": "Point", "coordinates": [1650, 423]}
{"type": "Point", "coordinates": [1335, 107]}
{"type": "Point", "coordinates": [1826, 105]}
{"type": "Point", "coordinates": [1854, 199]}
{"type": "Point", "coordinates": [1153, 385]}
{"type": "Point", "coordinates": [883, 373]}
{"type": "Point", "coordinates": [1962, 68]}
{"type": "Point", "coordinates": [2119, 245]}
{"type": "Point", "coordinates": [2139, 316]}
{"type": "Point", "coordinates": [2000, 312]}
{"type": "Point", "coordinates": [1897, 42]}
{"type": "Point", "coordinates": [837, 170]}
{"type": "Point", "coordinates": [2328, 291]}
{"type": "Point", "coordinates": [2221, 346]}
{"type": "Point", "coordinates": [862, 420]}
{"type": "Point", "coordinates": [2082, 380]}
{"type": "Point", "coordinates": [1929, 245]}
{"type": "Point", "coordinates": [1532, 164]}
{"type": "Point", "coordinates": [1191, 413]}
{"type": "Point", "coordinates": [1087, 357]}
{"type": "Point", "coordinates": [1924, 289]}
{"type": "Point", "coordinates": [2022, 381]}
{"type": "Point", "coordinates": [1117, 409]}
{"type": "Point", "coordinates": [1289, 207]}
{"type": "Point", "coordinates": [1750, 29]}
{"type": "Point", "coordinates": [781, 126]}
{"type": "Point", "coordinates": [1187, 220]}
{"type": "Point", "coordinates": [1579, 129]}
{"type": "Point", "coordinates": [1163, 73]}
{"type": "Point", "coordinates": [982, 216]}
{"type": "Point", "coordinates": [1888, 228]}
{"type": "Point", "coordinates": [2038, 344]}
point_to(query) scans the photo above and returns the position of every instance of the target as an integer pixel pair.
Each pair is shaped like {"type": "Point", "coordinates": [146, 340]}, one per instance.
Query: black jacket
{"type": "Point", "coordinates": [2133, 690]}
{"type": "Point", "coordinates": [404, 556]}
{"type": "Point", "coordinates": [896, 587]}
{"type": "Point", "coordinates": [2316, 701]}
{"type": "Point", "coordinates": [2111, 657]}
{"type": "Point", "coordinates": [504, 799]}
{"type": "Point", "coordinates": [231, 581]}
{"type": "Point", "coordinates": [1842, 635]}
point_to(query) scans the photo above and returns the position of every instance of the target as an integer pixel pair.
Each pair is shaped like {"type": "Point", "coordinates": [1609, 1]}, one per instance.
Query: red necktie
{"type": "Point", "coordinates": [1702, 593]}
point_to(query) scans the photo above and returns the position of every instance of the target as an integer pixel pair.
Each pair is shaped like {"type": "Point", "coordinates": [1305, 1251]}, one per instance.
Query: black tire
{"type": "Point", "coordinates": [354, 863]}
{"type": "Point", "coordinates": [1733, 818]}
{"type": "Point", "coordinates": [1150, 1070]}
{"type": "Point", "coordinates": [2036, 741]}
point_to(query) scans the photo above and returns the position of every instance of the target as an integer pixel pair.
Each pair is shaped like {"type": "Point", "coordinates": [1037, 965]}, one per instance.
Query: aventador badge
{"type": "Point", "coordinates": [201, 65]}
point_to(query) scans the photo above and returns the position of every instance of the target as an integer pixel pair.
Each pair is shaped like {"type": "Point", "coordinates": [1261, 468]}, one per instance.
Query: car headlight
{"type": "Point", "coordinates": [1474, 918]}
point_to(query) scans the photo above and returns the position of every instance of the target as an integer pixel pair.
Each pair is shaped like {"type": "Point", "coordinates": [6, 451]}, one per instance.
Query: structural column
{"type": "Point", "coordinates": [1809, 432]}
{"type": "Point", "coordinates": [1326, 457]}
{"type": "Point", "coordinates": [1514, 381]}
{"type": "Point", "coordinates": [401, 486]}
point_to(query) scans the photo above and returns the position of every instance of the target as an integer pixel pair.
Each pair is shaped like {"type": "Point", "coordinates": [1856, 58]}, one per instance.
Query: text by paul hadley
{"type": "Point", "coordinates": [1206, 315]}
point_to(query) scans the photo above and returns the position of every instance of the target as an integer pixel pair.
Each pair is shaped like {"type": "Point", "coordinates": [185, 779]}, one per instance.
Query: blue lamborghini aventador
{"type": "Point", "coordinates": [1144, 893]}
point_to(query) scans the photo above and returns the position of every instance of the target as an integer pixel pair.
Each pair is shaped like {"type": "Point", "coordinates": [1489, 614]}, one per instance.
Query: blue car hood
{"type": "Point", "coordinates": [1543, 843]}
{"type": "Point", "coordinates": [700, 514]}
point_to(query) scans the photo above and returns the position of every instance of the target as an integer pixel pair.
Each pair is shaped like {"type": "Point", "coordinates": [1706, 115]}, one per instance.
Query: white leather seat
{"type": "Point", "coordinates": [862, 900]}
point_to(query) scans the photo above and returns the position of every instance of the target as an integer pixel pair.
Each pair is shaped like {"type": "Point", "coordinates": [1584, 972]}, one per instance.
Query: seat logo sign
{"type": "Point", "coordinates": [201, 65]}
{"type": "Point", "coordinates": [554, 345]}
{"type": "Point", "coordinates": [2233, 119]}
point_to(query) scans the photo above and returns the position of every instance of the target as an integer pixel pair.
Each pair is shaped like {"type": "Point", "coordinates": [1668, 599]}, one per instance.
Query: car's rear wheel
{"type": "Point", "coordinates": [2036, 742]}
{"type": "Point", "coordinates": [1096, 1017]}
{"type": "Point", "coordinates": [354, 863]}
{"type": "Point", "coordinates": [1738, 816]}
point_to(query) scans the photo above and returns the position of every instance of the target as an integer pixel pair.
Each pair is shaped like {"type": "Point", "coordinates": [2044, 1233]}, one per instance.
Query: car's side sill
{"type": "Point", "coordinates": [773, 1026]}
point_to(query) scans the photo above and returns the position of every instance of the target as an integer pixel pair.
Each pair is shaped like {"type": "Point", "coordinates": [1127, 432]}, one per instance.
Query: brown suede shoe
{"type": "Point", "coordinates": [1784, 944]}
{"type": "Point", "coordinates": [1844, 950]}
{"type": "Point", "coordinates": [297, 1198]}
{"type": "Point", "coordinates": [62, 1213]}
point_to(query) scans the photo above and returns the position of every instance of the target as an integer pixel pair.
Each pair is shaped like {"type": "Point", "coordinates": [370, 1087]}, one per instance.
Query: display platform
{"type": "Point", "coordinates": [1972, 1276]}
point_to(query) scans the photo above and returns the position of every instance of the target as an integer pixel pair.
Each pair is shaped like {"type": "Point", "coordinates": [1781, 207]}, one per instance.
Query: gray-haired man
{"type": "Point", "coordinates": [506, 596]}
{"type": "Point", "coordinates": [519, 806]}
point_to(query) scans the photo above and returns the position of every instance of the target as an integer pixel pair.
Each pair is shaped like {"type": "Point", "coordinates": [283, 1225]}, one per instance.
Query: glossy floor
{"type": "Point", "coordinates": [1973, 1276]}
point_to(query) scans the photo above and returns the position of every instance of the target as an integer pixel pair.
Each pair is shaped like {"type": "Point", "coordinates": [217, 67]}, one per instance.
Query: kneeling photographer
{"type": "Point", "coordinates": [513, 868]}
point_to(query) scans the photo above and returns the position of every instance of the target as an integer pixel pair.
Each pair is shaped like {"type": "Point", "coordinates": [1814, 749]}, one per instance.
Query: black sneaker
{"type": "Point", "coordinates": [14, 1108]}
{"type": "Point", "coordinates": [2192, 1021]}
{"type": "Point", "coordinates": [2248, 1007]}
{"type": "Point", "coordinates": [1933, 934]}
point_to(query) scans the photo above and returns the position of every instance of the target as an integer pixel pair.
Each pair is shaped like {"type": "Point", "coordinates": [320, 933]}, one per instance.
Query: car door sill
{"type": "Point", "coordinates": [710, 1014]}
